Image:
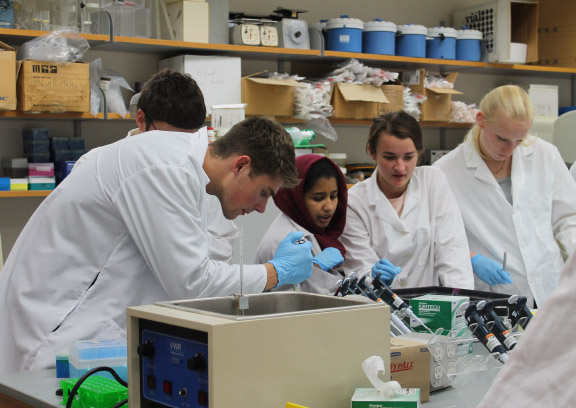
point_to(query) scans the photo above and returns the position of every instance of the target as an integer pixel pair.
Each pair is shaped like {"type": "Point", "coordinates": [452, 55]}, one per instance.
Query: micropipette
{"type": "Point", "coordinates": [486, 307]}
{"type": "Point", "coordinates": [397, 303]}
{"type": "Point", "coordinates": [482, 333]}
{"type": "Point", "coordinates": [521, 314]}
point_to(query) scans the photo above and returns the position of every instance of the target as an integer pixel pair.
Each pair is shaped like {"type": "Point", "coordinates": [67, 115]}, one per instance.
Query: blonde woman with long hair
{"type": "Point", "coordinates": [517, 199]}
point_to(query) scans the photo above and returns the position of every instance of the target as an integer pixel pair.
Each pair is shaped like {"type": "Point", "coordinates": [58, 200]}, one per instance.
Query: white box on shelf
{"type": "Point", "coordinates": [219, 78]}
{"type": "Point", "coordinates": [545, 99]}
{"type": "Point", "coordinates": [226, 116]}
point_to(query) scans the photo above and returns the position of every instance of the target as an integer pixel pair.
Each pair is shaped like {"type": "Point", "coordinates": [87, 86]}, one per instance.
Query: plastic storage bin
{"type": "Point", "coordinates": [379, 37]}
{"type": "Point", "coordinates": [345, 34]}
{"type": "Point", "coordinates": [441, 43]}
{"type": "Point", "coordinates": [88, 354]}
{"type": "Point", "coordinates": [411, 40]}
{"type": "Point", "coordinates": [469, 45]}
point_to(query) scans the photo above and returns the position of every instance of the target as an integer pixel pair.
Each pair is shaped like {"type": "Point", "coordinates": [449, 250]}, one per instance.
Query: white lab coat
{"type": "Point", "coordinates": [126, 227]}
{"type": "Point", "coordinates": [322, 282]}
{"type": "Point", "coordinates": [223, 232]}
{"type": "Point", "coordinates": [428, 241]}
{"type": "Point", "coordinates": [573, 170]}
{"type": "Point", "coordinates": [541, 367]}
{"type": "Point", "coordinates": [542, 216]}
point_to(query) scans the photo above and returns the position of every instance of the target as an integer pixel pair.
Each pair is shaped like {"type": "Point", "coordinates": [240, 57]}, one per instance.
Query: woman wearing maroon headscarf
{"type": "Point", "coordinates": [317, 207]}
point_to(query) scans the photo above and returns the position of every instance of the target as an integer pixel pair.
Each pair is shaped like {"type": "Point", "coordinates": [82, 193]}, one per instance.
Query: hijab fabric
{"type": "Point", "coordinates": [291, 202]}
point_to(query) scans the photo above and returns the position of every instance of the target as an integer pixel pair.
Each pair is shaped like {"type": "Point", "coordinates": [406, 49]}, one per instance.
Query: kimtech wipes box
{"type": "Point", "coordinates": [440, 312]}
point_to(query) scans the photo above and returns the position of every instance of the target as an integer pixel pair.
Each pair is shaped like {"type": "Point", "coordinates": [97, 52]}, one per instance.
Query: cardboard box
{"type": "Point", "coordinates": [556, 17]}
{"type": "Point", "coordinates": [370, 398]}
{"type": "Point", "coordinates": [545, 99]}
{"type": "Point", "coordinates": [190, 21]}
{"type": "Point", "coordinates": [219, 78]}
{"type": "Point", "coordinates": [395, 96]}
{"type": "Point", "coordinates": [354, 101]}
{"type": "Point", "coordinates": [410, 365]}
{"type": "Point", "coordinates": [438, 103]}
{"type": "Point", "coordinates": [8, 75]}
{"type": "Point", "coordinates": [270, 97]}
{"type": "Point", "coordinates": [503, 22]}
{"type": "Point", "coordinates": [53, 87]}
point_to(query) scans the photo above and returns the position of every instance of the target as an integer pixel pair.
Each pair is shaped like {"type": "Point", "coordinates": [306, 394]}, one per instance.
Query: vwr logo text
{"type": "Point", "coordinates": [403, 366]}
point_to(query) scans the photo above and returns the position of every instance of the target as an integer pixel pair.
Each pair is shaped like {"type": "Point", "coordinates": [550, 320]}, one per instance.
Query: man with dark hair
{"type": "Point", "coordinates": [128, 227]}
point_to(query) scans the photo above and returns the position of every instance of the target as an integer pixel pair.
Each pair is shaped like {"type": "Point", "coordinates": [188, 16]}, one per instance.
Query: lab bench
{"type": "Point", "coordinates": [38, 390]}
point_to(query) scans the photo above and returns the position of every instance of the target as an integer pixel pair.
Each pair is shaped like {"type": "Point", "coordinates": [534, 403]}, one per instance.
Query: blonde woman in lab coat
{"type": "Point", "coordinates": [403, 222]}
{"type": "Point", "coordinates": [516, 197]}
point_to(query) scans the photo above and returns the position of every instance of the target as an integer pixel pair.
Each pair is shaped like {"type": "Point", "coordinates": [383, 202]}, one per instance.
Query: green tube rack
{"type": "Point", "coordinates": [95, 392]}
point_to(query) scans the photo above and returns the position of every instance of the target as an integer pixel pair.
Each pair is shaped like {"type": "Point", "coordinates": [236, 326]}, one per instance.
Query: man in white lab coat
{"type": "Point", "coordinates": [128, 227]}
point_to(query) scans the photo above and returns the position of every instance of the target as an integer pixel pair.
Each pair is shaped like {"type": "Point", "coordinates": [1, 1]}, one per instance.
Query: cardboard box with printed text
{"type": "Point", "coordinates": [53, 87]}
{"type": "Point", "coordinates": [410, 365]}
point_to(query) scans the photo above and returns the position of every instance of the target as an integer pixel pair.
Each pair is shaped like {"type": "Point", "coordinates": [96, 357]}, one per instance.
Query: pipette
{"type": "Point", "coordinates": [397, 303]}
{"type": "Point", "coordinates": [486, 307]}
{"type": "Point", "coordinates": [520, 313]}
{"type": "Point", "coordinates": [395, 321]}
{"type": "Point", "coordinates": [482, 333]}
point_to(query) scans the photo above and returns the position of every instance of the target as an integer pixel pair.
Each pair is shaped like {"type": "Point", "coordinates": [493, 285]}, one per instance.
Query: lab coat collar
{"type": "Point", "coordinates": [383, 209]}
{"type": "Point", "coordinates": [474, 161]}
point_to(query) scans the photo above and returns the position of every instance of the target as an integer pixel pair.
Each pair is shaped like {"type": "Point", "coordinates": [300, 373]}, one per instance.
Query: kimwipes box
{"type": "Point", "coordinates": [410, 365]}
{"type": "Point", "coordinates": [438, 103]}
{"type": "Point", "coordinates": [53, 87]}
{"type": "Point", "coordinates": [357, 101]}
{"type": "Point", "coordinates": [269, 97]}
{"type": "Point", "coordinates": [8, 75]}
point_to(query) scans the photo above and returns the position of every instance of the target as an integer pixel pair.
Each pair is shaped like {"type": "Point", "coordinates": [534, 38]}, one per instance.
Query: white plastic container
{"type": "Point", "coordinates": [88, 354]}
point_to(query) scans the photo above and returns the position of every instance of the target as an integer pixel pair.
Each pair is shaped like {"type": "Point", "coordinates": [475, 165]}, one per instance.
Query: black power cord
{"type": "Point", "coordinates": [88, 374]}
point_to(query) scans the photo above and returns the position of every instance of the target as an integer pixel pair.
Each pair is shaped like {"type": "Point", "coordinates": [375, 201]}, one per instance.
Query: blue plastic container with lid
{"type": "Point", "coordinates": [379, 37]}
{"type": "Point", "coordinates": [411, 40]}
{"type": "Point", "coordinates": [441, 43]}
{"type": "Point", "coordinates": [469, 45]}
{"type": "Point", "coordinates": [345, 34]}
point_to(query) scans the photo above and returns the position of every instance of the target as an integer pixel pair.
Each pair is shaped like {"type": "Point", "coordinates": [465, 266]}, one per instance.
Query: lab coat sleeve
{"type": "Point", "coordinates": [162, 207]}
{"type": "Point", "coordinates": [451, 251]}
{"type": "Point", "coordinates": [360, 256]}
{"type": "Point", "coordinates": [564, 207]}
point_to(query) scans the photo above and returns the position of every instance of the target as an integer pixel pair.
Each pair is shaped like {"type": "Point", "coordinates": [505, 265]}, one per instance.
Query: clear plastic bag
{"type": "Point", "coordinates": [57, 46]}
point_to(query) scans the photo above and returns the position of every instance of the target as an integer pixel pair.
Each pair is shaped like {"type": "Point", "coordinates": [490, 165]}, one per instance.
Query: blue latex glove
{"type": "Point", "coordinates": [489, 270]}
{"type": "Point", "coordinates": [386, 270]}
{"type": "Point", "coordinates": [293, 261]}
{"type": "Point", "coordinates": [328, 258]}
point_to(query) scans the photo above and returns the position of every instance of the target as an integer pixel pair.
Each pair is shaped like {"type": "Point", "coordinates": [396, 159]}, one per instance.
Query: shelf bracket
{"type": "Point", "coordinates": [110, 29]}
